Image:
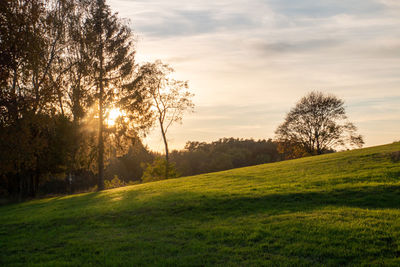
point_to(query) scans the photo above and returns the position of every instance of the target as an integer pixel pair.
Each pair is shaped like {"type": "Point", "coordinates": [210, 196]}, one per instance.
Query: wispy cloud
{"type": "Point", "coordinates": [325, 8]}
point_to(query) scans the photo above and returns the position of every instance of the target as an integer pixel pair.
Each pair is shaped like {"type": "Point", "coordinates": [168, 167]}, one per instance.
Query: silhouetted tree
{"type": "Point", "coordinates": [111, 47]}
{"type": "Point", "coordinates": [72, 82]}
{"type": "Point", "coordinates": [170, 99]}
{"type": "Point", "coordinates": [318, 123]}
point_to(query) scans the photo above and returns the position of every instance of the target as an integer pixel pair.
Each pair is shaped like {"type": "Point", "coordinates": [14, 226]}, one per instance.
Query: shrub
{"type": "Point", "coordinates": [114, 183]}
{"type": "Point", "coordinates": [156, 171]}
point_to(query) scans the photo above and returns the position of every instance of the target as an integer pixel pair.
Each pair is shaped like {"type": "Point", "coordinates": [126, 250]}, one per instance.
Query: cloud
{"type": "Point", "coordinates": [296, 46]}
{"type": "Point", "coordinates": [390, 3]}
{"type": "Point", "coordinates": [191, 22]}
{"type": "Point", "coordinates": [325, 8]}
{"type": "Point", "coordinates": [249, 61]}
{"type": "Point", "coordinates": [184, 18]}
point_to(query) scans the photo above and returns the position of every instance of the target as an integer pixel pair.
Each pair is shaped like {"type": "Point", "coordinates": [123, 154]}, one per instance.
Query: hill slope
{"type": "Point", "coordinates": [334, 209]}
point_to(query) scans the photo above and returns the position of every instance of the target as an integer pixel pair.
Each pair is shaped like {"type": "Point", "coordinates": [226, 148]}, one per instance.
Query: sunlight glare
{"type": "Point", "coordinates": [113, 115]}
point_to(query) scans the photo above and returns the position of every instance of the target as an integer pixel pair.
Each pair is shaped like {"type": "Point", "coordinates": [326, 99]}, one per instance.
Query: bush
{"type": "Point", "coordinates": [395, 156]}
{"type": "Point", "coordinates": [156, 171]}
{"type": "Point", "coordinates": [114, 183]}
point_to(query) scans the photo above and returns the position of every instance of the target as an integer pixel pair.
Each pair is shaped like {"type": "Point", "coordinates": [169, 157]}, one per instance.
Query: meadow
{"type": "Point", "coordinates": [332, 210]}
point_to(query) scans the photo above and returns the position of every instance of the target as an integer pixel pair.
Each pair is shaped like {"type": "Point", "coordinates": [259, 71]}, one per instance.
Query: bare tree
{"type": "Point", "coordinates": [170, 98]}
{"type": "Point", "coordinates": [318, 123]}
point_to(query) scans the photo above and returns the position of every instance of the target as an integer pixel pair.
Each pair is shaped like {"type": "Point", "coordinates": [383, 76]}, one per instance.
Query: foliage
{"type": "Point", "coordinates": [156, 171]}
{"type": "Point", "coordinates": [332, 210]}
{"type": "Point", "coordinates": [318, 123]}
{"type": "Point", "coordinates": [114, 183]}
{"type": "Point", "coordinates": [290, 149]}
{"type": "Point", "coordinates": [395, 156]}
{"type": "Point", "coordinates": [130, 166]}
{"type": "Point", "coordinates": [40, 147]}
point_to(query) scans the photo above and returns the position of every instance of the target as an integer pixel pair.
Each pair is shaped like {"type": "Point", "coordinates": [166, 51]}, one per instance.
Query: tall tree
{"type": "Point", "coordinates": [318, 123]}
{"type": "Point", "coordinates": [31, 33]}
{"type": "Point", "coordinates": [73, 79]}
{"type": "Point", "coordinates": [170, 99]}
{"type": "Point", "coordinates": [111, 45]}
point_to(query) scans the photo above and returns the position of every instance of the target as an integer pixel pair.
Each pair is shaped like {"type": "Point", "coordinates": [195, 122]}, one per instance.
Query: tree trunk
{"type": "Point", "coordinates": [101, 93]}
{"type": "Point", "coordinates": [22, 186]}
{"type": "Point", "coordinates": [60, 101]}
{"type": "Point", "coordinates": [166, 150]}
{"type": "Point", "coordinates": [36, 182]}
{"type": "Point", "coordinates": [31, 185]}
{"type": "Point", "coordinates": [319, 151]}
{"type": "Point", "coordinates": [101, 141]}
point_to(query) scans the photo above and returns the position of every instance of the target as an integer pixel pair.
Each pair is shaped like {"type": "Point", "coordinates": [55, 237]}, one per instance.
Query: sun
{"type": "Point", "coordinates": [113, 115]}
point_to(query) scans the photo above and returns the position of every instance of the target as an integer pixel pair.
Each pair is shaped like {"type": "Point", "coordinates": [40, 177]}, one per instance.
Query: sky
{"type": "Point", "coordinates": [249, 61]}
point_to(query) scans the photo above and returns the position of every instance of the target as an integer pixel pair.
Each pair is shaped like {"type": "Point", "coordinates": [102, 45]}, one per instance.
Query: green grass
{"type": "Point", "coordinates": [331, 210]}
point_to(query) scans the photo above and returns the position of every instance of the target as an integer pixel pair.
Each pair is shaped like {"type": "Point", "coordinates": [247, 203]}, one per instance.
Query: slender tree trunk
{"type": "Point", "coordinates": [33, 183]}
{"type": "Point", "coordinates": [319, 151]}
{"type": "Point", "coordinates": [36, 184]}
{"type": "Point", "coordinates": [21, 187]}
{"type": "Point", "coordinates": [101, 141]}
{"type": "Point", "coordinates": [34, 179]}
{"type": "Point", "coordinates": [166, 149]}
{"type": "Point", "coordinates": [59, 95]}
{"type": "Point", "coordinates": [30, 190]}
{"type": "Point", "coordinates": [101, 95]}
{"type": "Point", "coordinates": [14, 107]}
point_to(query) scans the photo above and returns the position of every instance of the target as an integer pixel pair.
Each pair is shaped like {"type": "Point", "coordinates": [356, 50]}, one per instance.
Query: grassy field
{"type": "Point", "coordinates": [331, 210]}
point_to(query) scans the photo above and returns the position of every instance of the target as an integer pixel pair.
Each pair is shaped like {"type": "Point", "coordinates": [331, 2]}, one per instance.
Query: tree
{"type": "Point", "coordinates": [111, 49]}
{"type": "Point", "coordinates": [316, 124]}
{"type": "Point", "coordinates": [31, 37]}
{"type": "Point", "coordinates": [170, 98]}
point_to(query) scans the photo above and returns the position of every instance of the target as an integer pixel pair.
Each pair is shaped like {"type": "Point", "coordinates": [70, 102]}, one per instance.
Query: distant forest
{"type": "Point", "coordinates": [224, 154]}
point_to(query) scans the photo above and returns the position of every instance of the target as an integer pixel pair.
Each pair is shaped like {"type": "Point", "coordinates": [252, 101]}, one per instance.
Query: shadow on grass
{"type": "Point", "coordinates": [201, 207]}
